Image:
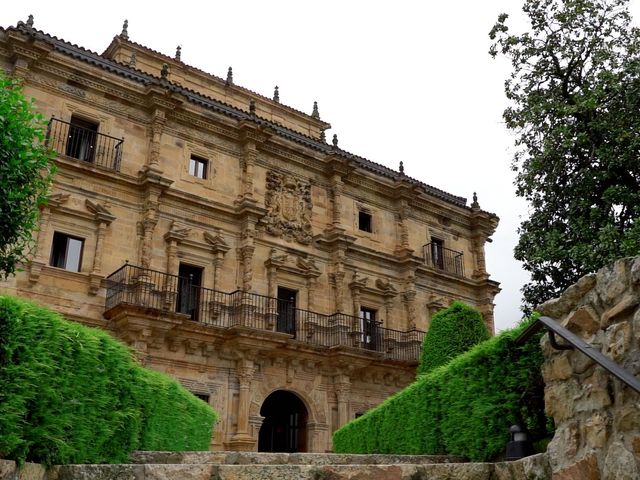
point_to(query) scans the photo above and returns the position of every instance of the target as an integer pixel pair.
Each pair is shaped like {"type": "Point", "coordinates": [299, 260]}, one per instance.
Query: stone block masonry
{"type": "Point", "coordinates": [597, 417]}
{"type": "Point", "coordinates": [254, 466]}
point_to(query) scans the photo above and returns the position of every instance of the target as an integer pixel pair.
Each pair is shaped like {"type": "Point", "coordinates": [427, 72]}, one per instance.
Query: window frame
{"type": "Point", "coordinates": [198, 160]}
{"type": "Point", "coordinates": [59, 259]}
{"type": "Point", "coordinates": [368, 327]}
{"type": "Point", "coordinates": [82, 140]}
{"type": "Point", "coordinates": [362, 213]}
{"type": "Point", "coordinates": [437, 253]}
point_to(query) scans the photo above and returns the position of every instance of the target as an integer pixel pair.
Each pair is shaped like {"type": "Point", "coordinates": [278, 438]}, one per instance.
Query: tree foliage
{"type": "Point", "coordinates": [453, 331]}
{"type": "Point", "coordinates": [25, 174]}
{"type": "Point", "coordinates": [575, 109]}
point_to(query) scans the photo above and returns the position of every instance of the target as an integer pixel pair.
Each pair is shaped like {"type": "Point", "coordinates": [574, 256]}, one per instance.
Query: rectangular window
{"type": "Point", "coordinates": [286, 311]}
{"type": "Point", "coordinates": [369, 328]}
{"type": "Point", "coordinates": [66, 252]}
{"type": "Point", "coordinates": [198, 167]}
{"type": "Point", "coordinates": [202, 396]}
{"type": "Point", "coordinates": [364, 221]}
{"type": "Point", "coordinates": [437, 253]}
{"type": "Point", "coordinates": [81, 141]}
{"type": "Point", "coordinates": [189, 289]}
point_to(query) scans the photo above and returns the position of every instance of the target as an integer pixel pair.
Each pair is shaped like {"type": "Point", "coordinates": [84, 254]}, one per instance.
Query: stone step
{"type": "Point", "coordinates": [436, 471]}
{"type": "Point", "coordinates": [531, 468]}
{"type": "Point", "coordinates": [255, 458]}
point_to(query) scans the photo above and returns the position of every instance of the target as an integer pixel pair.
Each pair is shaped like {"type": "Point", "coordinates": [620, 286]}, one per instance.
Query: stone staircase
{"type": "Point", "coordinates": [301, 466]}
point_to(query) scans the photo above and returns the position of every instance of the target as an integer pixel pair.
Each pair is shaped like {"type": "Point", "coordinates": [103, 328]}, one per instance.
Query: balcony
{"type": "Point", "coordinates": [80, 140]}
{"type": "Point", "coordinates": [160, 292]}
{"type": "Point", "coordinates": [440, 258]}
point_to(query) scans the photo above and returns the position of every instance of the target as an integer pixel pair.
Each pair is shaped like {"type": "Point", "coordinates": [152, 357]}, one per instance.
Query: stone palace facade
{"type": "Point", "coordinates": [285, 281]}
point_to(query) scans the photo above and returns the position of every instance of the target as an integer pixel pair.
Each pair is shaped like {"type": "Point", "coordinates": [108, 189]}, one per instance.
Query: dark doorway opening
{"type": "Point", "coordinates": [286, 311]}
{"type": "Point", "coordinates": [369, 328]}
{"type": "Point", "coordinates": [437, 253]}
{"type": "Point", "coordinates": [284, 428]}
{"type": "Point", "coordinates": [189, 283]}
{"type": "Point", "coordinates": [81, 143]}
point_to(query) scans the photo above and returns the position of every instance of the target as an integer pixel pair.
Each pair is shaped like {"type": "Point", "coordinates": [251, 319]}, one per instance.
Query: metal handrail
{"type": "Point", "coordinates": [88, 145]}
{"type": "Point", "coordinates": [153, 289]}
{"type": "Point", "coordinates": [576, 342]}
{"type": "Point", "coordinates": [441, 258]}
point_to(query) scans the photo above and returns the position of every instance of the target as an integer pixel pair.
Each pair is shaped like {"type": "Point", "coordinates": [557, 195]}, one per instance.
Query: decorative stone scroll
{"type": "Point", "coordinates": [288, 202]}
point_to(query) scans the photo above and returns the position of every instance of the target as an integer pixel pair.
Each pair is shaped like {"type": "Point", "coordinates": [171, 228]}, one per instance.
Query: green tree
{"type": "Point", "coordinates": [575, 109]}
{"type": "Point", "coordinates": [453, 331]}
{"type": "Point", "coordinates": [25, 174]}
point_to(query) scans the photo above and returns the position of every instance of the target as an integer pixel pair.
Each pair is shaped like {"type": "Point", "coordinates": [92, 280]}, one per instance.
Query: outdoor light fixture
{"type": "Point", "coordinates": [519, 445]}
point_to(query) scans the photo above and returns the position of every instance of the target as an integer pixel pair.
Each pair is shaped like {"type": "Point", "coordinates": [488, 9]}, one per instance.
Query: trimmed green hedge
{"type": "Point", "coordinates": [462, 408]}
{"type": "Point", "coordinates": [74, 394]}
{"type": "Point", "coordinates": [453, 331]}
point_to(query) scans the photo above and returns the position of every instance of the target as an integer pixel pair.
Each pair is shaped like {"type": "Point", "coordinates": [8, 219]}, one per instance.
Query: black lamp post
{"type": "Point", "coordinates": [519, 445]}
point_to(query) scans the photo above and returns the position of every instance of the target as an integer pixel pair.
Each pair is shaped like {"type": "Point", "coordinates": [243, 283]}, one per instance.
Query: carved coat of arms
{"type": "Point", "coordinates": [288, 202]}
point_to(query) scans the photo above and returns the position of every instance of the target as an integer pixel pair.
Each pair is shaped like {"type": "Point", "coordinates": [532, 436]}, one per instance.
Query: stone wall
{"type": "Point", "coordinates": [597, 417]}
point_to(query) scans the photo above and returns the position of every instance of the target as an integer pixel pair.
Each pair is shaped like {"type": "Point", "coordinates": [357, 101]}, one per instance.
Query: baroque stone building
{"type": "Point", "coordinates": [282, 279]}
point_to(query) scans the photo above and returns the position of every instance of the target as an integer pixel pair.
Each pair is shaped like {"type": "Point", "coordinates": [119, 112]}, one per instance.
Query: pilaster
{"type": "Point", "coordinates": [242, 440]}
{"type": "Point", "coordinates": [103, 218]}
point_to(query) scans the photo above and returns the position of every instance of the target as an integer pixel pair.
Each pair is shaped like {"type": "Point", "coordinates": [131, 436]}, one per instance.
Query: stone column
{"type": "Point", "coordinates": [219, 248]}
{"type": "Point", "coordinates": [148, 225]}
{"type": "Point", "coordinates": [409, 299]}
{"type": "Point", "coordinates": [43, 232]}
{"type": "Point", "coordinates": [103, 219]}
{"type": "Point", "coordinates": [487, 314]}
{"type": "Point", "coordinates": [40, 260]}
{"type": "Point", "coordinates": [250, 155]}
{"type": "Point", "coordinates": [355, 296]}
{"type": "Point", "coordinates": [312, 283]}
{"type": "Point", "coordinates": [336, 190]}
{"type": "Point", "coordinates": [157, 127]}
{"type": "Point", "coordinates": [318, 442]}
{"type": "Point", "coordinates": [388, 308]}
{"type": "Point", "coordinates": [242, 440]}
{"type": "Point", "coordinates": [480, 270]}
{"type": "Point", "coordinates": [217, 262]}
{"type": "Point", "coordinates": [172, 257]}
{"type": "Point", "coordinates": [272, 281]}
{"type": "Point", "coordinates": [97, 258]}
{"type": "Point", "coordinates": [403, 230]}
{"type": "Point", "coordinates": [245, 254]}
{"type": "Point", "coordinates": [338, 282]}
{"type": "Point", "coordinates": [342, 387]}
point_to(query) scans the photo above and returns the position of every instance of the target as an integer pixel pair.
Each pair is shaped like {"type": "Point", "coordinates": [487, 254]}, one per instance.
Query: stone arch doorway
{"type": "Point", "coordinates": [284, 428]}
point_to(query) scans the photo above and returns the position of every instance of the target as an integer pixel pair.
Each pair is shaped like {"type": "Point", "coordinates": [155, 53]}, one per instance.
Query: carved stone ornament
{"type": "Point", "coordinates": [288, 202]}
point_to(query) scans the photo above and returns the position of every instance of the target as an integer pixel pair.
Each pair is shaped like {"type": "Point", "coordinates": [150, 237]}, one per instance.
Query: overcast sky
{"type": "Point", "coordinates": [402, 80]}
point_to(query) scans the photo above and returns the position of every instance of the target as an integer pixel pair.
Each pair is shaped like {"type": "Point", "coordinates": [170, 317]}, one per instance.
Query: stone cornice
{"type": "Point", "coordinates": [211, 104]}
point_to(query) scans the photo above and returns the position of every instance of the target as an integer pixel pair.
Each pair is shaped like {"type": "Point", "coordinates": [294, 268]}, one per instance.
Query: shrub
{"type": "Point", "coordinates": [74, 394]}
{"type": "Point", "coordinates": [462, 408]}
{"type": "Point", "coordinates": [453, 331]}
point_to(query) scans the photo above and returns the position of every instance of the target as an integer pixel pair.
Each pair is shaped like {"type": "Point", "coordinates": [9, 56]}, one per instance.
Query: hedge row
{"type": "Point", "coordinates": [453, 331]}
{"type": "Point", "coordinates": [462, 408]}
{"type": "Point", "coordinates": [73, 394]}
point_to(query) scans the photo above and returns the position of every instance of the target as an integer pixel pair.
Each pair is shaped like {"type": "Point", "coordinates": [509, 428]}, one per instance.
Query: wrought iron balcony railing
{"type": "Point", "coordinates": [86, 144]}
{"type": "Point", "coordinates": [131, 285]}
{"type": "Point", "coordinates": [450, 261]}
